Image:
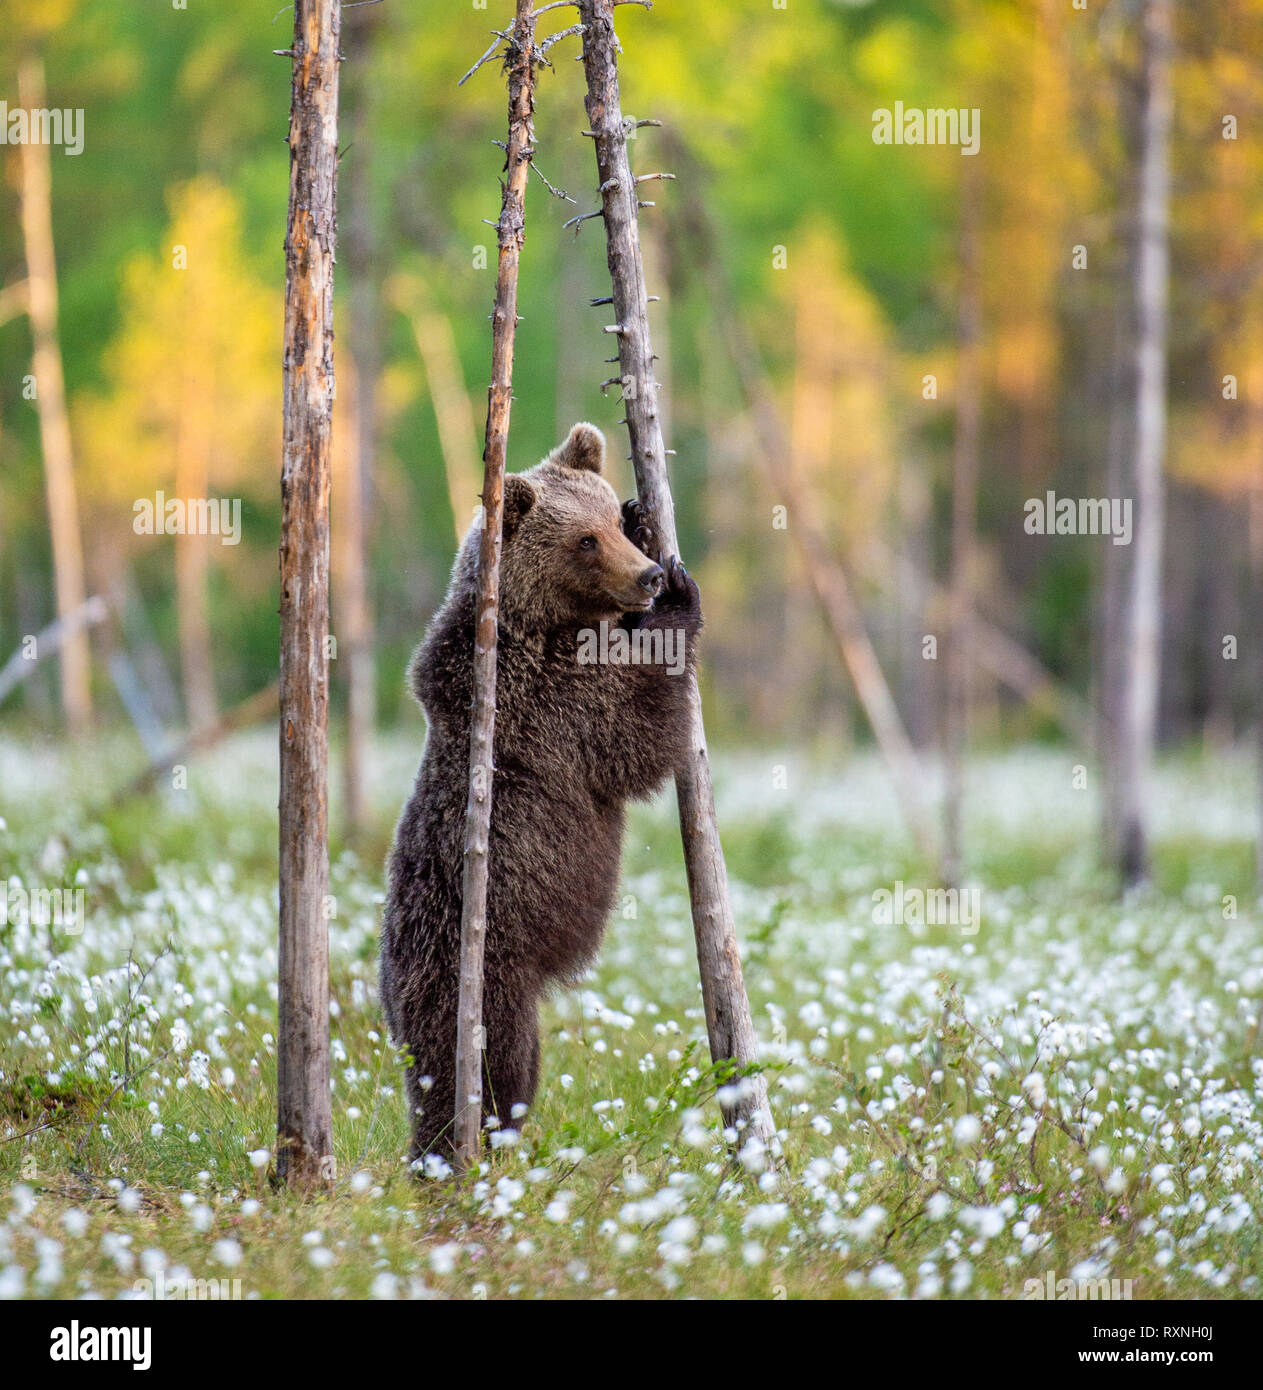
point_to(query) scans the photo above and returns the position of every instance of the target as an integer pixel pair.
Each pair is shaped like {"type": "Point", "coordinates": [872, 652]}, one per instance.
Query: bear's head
{"type": "Point", "coordinates": [565, 559]}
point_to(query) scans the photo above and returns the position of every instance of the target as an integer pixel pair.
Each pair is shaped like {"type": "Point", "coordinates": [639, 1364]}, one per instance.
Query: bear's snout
{"type": "Point", "coordinates": [652, 580]}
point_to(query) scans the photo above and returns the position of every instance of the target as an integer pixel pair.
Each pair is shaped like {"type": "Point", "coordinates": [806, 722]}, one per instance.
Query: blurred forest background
{"type": "Point", "coordinates": [871, 330]}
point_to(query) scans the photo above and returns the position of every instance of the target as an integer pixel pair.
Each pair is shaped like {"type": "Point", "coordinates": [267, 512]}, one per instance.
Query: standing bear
{"type": "Point", "coordinates": [592, 709]}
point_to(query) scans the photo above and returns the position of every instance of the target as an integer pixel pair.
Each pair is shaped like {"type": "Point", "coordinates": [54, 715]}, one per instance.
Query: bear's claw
{"type": "Point", "coordinates": [680, 592]}
{"type": "Point", "coordinates": [637, 529]}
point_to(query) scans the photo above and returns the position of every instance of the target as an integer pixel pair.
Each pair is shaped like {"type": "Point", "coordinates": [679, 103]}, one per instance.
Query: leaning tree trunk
{"type": "Point", "coordinates": [1144, 617]}
{"type": "Point", "coordinates": [728, 1022]}
{"type": "Point", "coordinates": [453, 413]}
{"type": "Point", "coordinates": [50, 400]}
{"type": "Point", "coordinates": [304, 1123]}
{"type": "Point", "coordinates": [965, 461]}
{"type": "Point", "coordinates": [510, 235]}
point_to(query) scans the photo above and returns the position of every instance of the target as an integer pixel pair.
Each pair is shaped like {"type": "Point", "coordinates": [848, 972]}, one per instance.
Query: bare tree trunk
{"type": "Point", "coordinates": [355, 650]}
{"type": "Point", "coordinates": [965, 461]}
{"type": "Point", "coordinates": [304, 1151]}
{"type": "Point", "coordinates": [458, 435]}
{"type": "Point", "coordinates": [351, 602]}
{"type": "Point", "coordinates": [728, 1022]}
{"type": "Point", "coordinates": [54, 422]}
{"type": "Point", "coordinates": [913, 564]}
{"type": "Point", "coordinates": [510, 235]}
{"type": "Point", "coordinates": [52, 639]}
{"type": "Point", "coordinates": [1111, 665]}
{"type": "Point", "coordinates": [1144, 618]}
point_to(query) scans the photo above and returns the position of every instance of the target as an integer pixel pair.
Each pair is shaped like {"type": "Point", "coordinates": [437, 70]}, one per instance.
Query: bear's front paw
{"type": "Point", "coordinates": [680, 597]}
{"type": "Point", "coordinates": [638, 530]}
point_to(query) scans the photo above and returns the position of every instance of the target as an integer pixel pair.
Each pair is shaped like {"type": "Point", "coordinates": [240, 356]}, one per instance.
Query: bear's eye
{"type": "Point", "coordinates": [588, 543]}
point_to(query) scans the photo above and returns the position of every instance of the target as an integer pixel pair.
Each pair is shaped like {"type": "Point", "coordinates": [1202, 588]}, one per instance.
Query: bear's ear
{"type": "Point", "coordinates": [584, 449]}
{"type": "Point", "coordinates": [519, 498]}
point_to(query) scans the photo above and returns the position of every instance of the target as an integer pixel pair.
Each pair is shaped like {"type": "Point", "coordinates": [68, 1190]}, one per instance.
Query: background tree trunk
{"type": "Point", "coordinates": [728, 1022]}
{"type": "Point", "coordinates": [355, 503]}
{"type": "Point", "coordinates": [304, 1150]}
{"type": "Point", "coordinates": [353, 612]}
{"type": "Point", "coordinates": [510, 234]}
{"type": "Point", "coordinates": [458, 435]}
{"type": "Point", "coordinates": [965, 461]}
{"type": "Point", "coordinates": [1144, 617]}
{"type": "Point", "coordinates": [54, 422]}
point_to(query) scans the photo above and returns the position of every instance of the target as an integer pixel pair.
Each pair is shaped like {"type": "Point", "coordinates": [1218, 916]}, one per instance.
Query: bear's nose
{"type": "Point", "coordinates": [651, 580]}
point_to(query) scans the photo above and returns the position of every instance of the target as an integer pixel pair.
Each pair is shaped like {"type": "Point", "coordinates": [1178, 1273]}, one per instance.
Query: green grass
{"type": "Point", "coordinates": [1105, 1052]}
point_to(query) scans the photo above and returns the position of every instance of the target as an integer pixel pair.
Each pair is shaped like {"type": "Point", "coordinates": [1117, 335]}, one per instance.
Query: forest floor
{"type": "Point", "coordinates": [1066, 1085]}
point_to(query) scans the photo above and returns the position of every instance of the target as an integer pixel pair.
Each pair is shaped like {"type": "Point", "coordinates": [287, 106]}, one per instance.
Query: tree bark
{"type": "Point", "coordinates": [728, 1022]}
{"type": "Point", "coordinates": [304, 1121]}
{"type": "Point", "coordinates": [510, 235]}
{"type": "Point", "coordinates": [54, 421]}
{"type": "Point", "coordinates": [1144, 617]}
{"type": "Point", "coordinates": [965, 463]}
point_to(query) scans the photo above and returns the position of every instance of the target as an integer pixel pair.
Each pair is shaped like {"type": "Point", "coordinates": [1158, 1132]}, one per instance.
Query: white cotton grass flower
{"type": "Point", "coordinates": [75, 1221]}
{"type": "Point", "coordinates": [967, 1130]}
{"type": "Point", "coordinates": [259, 1158]}
{"type": "Point", "coordinates": [321, 1257]}
{"type": "Point", "coordinates": [227, 1252]}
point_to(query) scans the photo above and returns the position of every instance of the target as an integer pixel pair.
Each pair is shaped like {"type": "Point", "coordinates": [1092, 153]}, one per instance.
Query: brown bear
{"type": "Point", "coordinates": [586, 719]}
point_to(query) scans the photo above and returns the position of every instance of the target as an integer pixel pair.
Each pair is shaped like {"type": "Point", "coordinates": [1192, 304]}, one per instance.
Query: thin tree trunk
{"type": "Point", "coordinates": [965, 462]}
{"type": "Point", "coordinates": [728, 1022]}
{"type": "Point", "coordinates": [356, 622]}
{"type": "Point", "coordinates": [52, 639]}
{"type": "Point", "coordinates": [304, 1121]}
{"type": "Point", "coordinates": [351, 602]}
{"type": "Point", "coordinates": [912, 565]}
{"type": "Point", "coordinates": [458, 435]}
{"type": "Point", "coordinates": [1109, 691]}
{"type": "Point", "coordinates": [54, 422]}
{"type": "Point", "coordinates": [1144, 618]}
{"type": "Point", "coordinates": [510, 235]}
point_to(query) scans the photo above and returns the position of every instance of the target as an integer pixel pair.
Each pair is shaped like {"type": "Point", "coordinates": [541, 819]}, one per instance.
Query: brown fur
{"type": "Point", "coordinates": [573, 743]}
